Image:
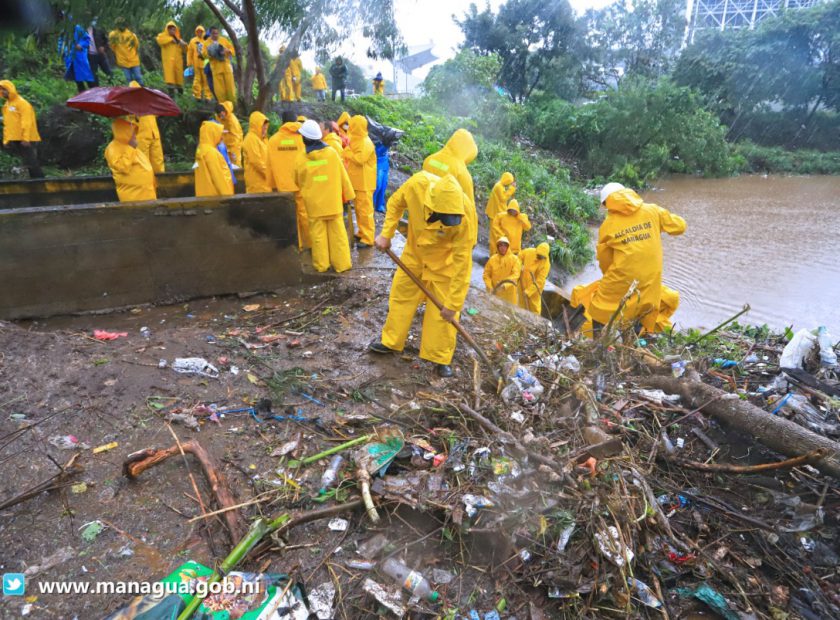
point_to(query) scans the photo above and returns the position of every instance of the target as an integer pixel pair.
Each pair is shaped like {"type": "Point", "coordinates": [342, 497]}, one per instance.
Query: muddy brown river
{"type": "Point", "coordinates": [771, 242]}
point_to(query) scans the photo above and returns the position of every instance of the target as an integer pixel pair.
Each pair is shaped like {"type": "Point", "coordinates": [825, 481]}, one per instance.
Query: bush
{"type": "Point", "coordinates": [755, 158]}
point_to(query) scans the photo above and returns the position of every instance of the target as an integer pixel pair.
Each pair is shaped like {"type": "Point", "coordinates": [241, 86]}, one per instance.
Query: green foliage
{"type": "Point", "coordinates": [755, 158]}
{"type": "Point", "coordinates": [635, 133]}
{"type": "Point", "coordinates": [463, 80]}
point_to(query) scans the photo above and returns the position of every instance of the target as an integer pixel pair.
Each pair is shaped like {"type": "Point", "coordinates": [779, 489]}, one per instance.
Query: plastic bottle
{"type": "Point", "coordinates": [331, 474]}
{"type": "Point", "coordinates": [828, 358]}
{"type": "Point", "coordinates": [410, 579]}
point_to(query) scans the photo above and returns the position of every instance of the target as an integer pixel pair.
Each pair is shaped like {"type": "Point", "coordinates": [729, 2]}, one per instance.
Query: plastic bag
{"type": "Point", "coordinates": [797, 349]}
{"type": "Point", "coordinates": [828, 358]}
{"type": "Point", "coordinates": [195, 366]}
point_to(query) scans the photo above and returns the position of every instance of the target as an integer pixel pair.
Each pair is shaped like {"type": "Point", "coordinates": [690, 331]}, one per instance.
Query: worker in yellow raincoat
{"type": "Point", "coordinates": [148, 138]}
{"type": "Point", "coordinates": [324, 187]}
{"type": "Point", "coordinates": [255, 153]}
{"type": "Point", "coordinates": [458, 152]}
{"type": "Point", "coordinates": [233, 134]}
{"type": "Point", "coordinates": [219, 51]}
{"type": "Point", "coordinates": [343, 128]}
{"type": "Point", "coordinates": [20, 128]}
{"type": "Point", "coordinates": [297, 74]}
{"type": "Point", "coordinates": [319, 85]}
{"type": "Point", "coordinates": [172, 48]}
{"type": "Point", "coordinates": [669, 301]}
{"type": "Point", "coordinates": [503, 191]}
{"type": "Point", "coordinates": [437, 250]}
{"type": "Point", "coordinates": [535, 267]}
{"type": "Point", "coordinates": [131, 169]}
{"type": "Point", "coordinates": [501, 273]}
{"type": "Point", "coordinates": [360, 159]}
{"type": "Point", "coordinates": [195, 59]}
{"type": "Point", "coordinates": [629, 249]}
{"type": "Point", "coordinates": [287, 89]}
{"type": "Point", "coordinates": [378, 85]}
{"type": "Point", "coordinates": [511, 224]}
{"type": "Point", "coordinates": [283, 150]}
{"type": "Point", "coordinates": [212, 174]}
{"type": "Point", "coordinates": [331, 137]}
{"type": "Point", "coordinates": [126, 48]}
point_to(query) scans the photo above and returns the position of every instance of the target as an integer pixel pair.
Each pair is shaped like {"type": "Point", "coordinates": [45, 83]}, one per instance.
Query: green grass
{"type": "Point", "coordinates": [775, 159]}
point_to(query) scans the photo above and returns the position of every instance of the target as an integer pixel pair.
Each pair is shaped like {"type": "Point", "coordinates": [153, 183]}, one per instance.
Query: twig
{"type": "Point", "coordinates": [745, 309]}
{"type": "Point", "coordinates": [811, 457]}
{"type": "Point", "coordinates": [50, 484]}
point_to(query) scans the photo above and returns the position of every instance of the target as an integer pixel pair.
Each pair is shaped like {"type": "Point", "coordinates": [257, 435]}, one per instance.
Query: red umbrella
{"type": "Point", "coordinates": [114, 101]}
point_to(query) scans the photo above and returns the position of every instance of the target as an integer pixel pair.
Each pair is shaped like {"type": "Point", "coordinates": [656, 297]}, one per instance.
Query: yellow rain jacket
{"type": "Point", "coordinates": [212, 174]}
{"type": "Point", "coordinates": [223, 84]}
{"type": "Point", "coordinates": [19, 121]}
{"type": "Point", "coordinates": [535, 267]}
{"type": "Point", "coordinates": [458, 152]}
{"type": "Point", "coordinates": [283, 150]}
{"type": "Point", "coordinates": [334, 140]}
{"type": "Point", "coordinates": [669, 301]}
{"type": "Point", "coordinates": [297, 70]}
{"type": "Point", "coordinates": [319, 81]}
{"type": "Point", "coordinates": [255, 152]}
{"type": "Point", "coordinates": [630, 248]}
{"type": "Point", "coordinates": [378, 87]}
{"type": "Point", "coordinates": [148, 138]}
{"type": "Point", "coordinates": [439, 255]}
{"type": "Point", "coordinates": [360, 159]}
{"type": "Point", "coordinates": [503, 191]}
{"type": "Point", "coordinates": [233, 134]}
{"type": "Point", "coordinates": [324, 187]}
{"type": "Point", "coordinates": [510, 226]}
{"type": "Point", "coordinates": [126, 48]}
{"type": "Point", "coordinates": [342, 120]}
{"type": "Point", "coordinates": [201, 90]}
{"type": "Point", "coordinates": [132, 172]}
{"type": "Point", "coordinates": [287, 89]}
{"type": "Point", "coordinates": [171, 56]}
{"type": "Point", "coordinates": [503, 272]}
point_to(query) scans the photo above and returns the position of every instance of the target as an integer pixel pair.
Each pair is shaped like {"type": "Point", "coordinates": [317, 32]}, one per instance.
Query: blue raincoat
{"type": "Point", "coordinates": [383, 166]}
{"type": "Point", "coordinates": [76, 61]}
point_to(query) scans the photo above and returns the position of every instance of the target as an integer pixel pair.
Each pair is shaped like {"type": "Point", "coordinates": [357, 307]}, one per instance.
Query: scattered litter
{"type": "Point", "coordinates": [657, 396]}
{"type": "Point", "coordinates": [60, 556]}
{"type": "Point", "coordinates": [372, 547]}
{"type": "Point", "coordinates": [105, 447]}
{"type": "Point", "coordinates": [195, 366]}
{"type": "Point", "coordinates": [101, 334]}
{"type": "Point", "coordinates": [67, 442]}
{"type": "Point", "coordinates": [473, 502]}
{"type": "Point", "coordinates": [517, 416]}
{"type": "Point", "coordinates": [410, 579]}
{"type": "Point", "coordinates": [187, 419]}
{"type": "Point", "coordinates": [79, 488]}
{"type": "Point", "coordinates": [442, 577]}
{"type": "Point", "coordinates": [565, 536]}
{"type": "Point", "coordinates": [251, 307]}
{"type": "Point", "coordinates": [286, 448]}
{"type": "Point", "coordinates": [91, 530]}
{"type": "Point", "coordinates": [828, 358]}
{"type": "Point", "coordinates": [390, 598]}
{"type": "Point", "coordinates": [330, 475]}
{"type": "Point", "coordinates": [321, 599]}
{"type": "Point", "coordinates": [644, 593]}
{"type": "Point", "coordinates": [612, 548]}
{"type": "Point", "coordinates": [559, 363]}
{"type": "Point", "coordinates": [522, 386]}
{"type": "Point", "coordinates": [360, 564]}
{"type": "Point", "coordinates": [712, 598]}
{"type": "Point", "coordinates": [797, 349]}
{"type": "Point", "coordinates": [339, 525]}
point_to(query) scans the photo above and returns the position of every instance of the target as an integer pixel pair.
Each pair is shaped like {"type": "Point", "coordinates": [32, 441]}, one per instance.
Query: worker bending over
{"type": "Point", "coordinates": [360, 159]}
{"type": "Point", "coordinates": [501, 273]}
{"type": "Point", "coordinates": [629, 249]}
{"type": "Point", "coordinates": [131, 169]}
{"type": "Point", "coordinates": [212, 174]}
{"type": "Point", "coordinates": [503, 191]}
{"type": "Point", "coordinates": [324, 187]}
{"type": "Point", "coordinates": [437, 251]}
{"type": "Point", "coordinates": [535, 267]}
{"type": "Point", "coordinates": [511, 224]}
{"type": "Point", "coordinates": [255, 153]}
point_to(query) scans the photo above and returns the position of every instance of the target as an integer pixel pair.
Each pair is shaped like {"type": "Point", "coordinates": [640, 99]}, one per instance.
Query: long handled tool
{"type": "Point", "coordinates": [481, 354]}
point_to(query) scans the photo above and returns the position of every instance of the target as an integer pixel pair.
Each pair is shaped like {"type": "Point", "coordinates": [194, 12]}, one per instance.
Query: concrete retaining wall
{"type": "Point", "coordinates": [60, 260]}
{"type": "Point", "coordinates": [85, 190]}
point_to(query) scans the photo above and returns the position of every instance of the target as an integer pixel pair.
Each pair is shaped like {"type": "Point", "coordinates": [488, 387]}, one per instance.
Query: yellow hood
{"type": "Point", "coordinates": [513, 204]}
{"type": "Point", "coordinates": [344, 118]}
{"type": "Point", "coordinates": [543, 250]}
{"type": "Point", "coordinates": [462, 145]}
{"type": "Point", "coordinates": [256, 122]}
{"type": "Point", "coordinates": [210, 133]}
{"type": "Point", "coordinates": [507, 178]}
{"type": "Point", "coordinates": [446, 196]}
{"type": "Point", "coordinates": [228, 105]}
{"type": "Point", "coordinates": [10, 87]}
{"type": "Point", "coordinates": [503, 240]}
{"type": "Point", "coordinates": [358, 126]}
{"type": "Point", "coordinates": [624, 201]}
{"type": "Point", "coordinates": [177, 30]}
{"type": "Point", "coordinates": [301, 118]}
{"type": "Point", "coordinates": [199, 31]}
{"type": "Point", "coordinates": [122, 130]}
{"type": "Point", "coordinates": [290, 127]}
{"type": "Point", "coordinates": [134, 84]}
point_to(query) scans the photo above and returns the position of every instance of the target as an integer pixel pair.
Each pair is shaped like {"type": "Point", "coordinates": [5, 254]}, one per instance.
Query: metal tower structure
{"type": "Point", "coordinates": [727, 14]}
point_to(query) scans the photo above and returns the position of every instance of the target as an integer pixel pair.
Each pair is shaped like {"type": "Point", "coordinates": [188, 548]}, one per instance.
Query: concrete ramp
{"type": "Point", "coordinates": [94, 257]}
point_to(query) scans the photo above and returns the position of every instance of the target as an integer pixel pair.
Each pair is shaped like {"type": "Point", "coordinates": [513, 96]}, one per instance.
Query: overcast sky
{"type": "Point", "coordinates": [429, 21]}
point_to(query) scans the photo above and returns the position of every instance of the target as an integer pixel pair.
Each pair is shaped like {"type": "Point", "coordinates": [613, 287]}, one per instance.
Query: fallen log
{"type": "Point", "coordinates": [138, 462]}
{"type": "Point", "coordinates": [775, 432]}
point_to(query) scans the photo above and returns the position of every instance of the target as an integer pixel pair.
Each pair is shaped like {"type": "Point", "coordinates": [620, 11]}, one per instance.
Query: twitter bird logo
{"type": "Point", "coordinates": [13, 584]}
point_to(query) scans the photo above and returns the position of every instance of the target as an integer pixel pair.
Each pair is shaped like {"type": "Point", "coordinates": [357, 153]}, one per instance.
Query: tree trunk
{"type": "Point", "coordinates": [255, 60]}
{"type": "Point", "coordinates": [775, 432]}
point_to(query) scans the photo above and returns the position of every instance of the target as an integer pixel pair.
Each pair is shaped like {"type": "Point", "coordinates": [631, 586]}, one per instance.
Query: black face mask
{"type": "Point", "coordinates": [447, 219]}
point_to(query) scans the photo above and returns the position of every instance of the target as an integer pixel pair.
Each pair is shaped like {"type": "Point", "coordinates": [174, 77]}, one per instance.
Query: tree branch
{"type": "Point", "coordinates": [236, 10]}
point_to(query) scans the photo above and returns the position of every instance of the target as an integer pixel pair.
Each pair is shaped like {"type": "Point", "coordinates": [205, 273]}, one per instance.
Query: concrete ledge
{"type": "Point", "coordinates": [58, 191]}
{"type": "Point", "coordinates": [70, 259]}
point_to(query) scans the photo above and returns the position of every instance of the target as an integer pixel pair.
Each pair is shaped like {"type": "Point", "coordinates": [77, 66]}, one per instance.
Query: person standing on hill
{"type": "Point", "coordinates": [172, 48]}
{"type": "Point", "coordinates": [255, 155]}
{"type": "Point", "coordinates": [196, 60]}
{"type": "Point", "coordinates": [324, 187]}
{"type": "Point", "coordinates": [233, 134]}
{"type": "Point", "coordinates": [535, 267]}
{"type": "Point", "coordinates": [20, 128]}
{"type": "Point", "coordinates": [219, 51]}
{"type": "Point", "coordinates": [131, 169]}
{"type": "Point", "coordinates": [97, 54]}
{"type": "Point", "coordinates": [360, 159]}
{"type": "Point", "coordinates": [77, 62]}
{"type": "Point", "coordinates": [319, 85]}
{"type": "Point", "coordinates": [148, 139]}
{"type": "Point", "coordinates": [212, 174]}
{"type": "Point", "coordinates": [338, 73]}
{"type": "Point", "coordinates": [126, 48]}
{"type": "Point", "coordinates": [511, 224]}
{"type": "Point", "coordinates": [297, 74]}
{"type": "Point", "coordinates": [379, 85]}
{"type": "Point", "coordinates": [503, 191]}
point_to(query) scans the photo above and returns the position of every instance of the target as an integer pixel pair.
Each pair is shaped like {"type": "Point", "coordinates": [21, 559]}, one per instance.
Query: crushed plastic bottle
{"type": "Point", "coordinates": [410, 579]}
{"type": "Point", "coordinates": [828, 358]}
{"type": "Point", "coordinates": [644, 593]}
{"type": "Point", "coordinates": [329, 477]}
{"type": "Point", "coordinates": [521, 386]}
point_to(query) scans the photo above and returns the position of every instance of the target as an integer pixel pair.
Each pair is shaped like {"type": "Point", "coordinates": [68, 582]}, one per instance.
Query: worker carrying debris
{"type": "Point", "coordinates": [535, 267]}
{"type": "Point", "coordinates": [437, 250]}
{"type": "Point", "coordinates": [629, 249]}
{"type": "Point", "coordinates": [501, 273]}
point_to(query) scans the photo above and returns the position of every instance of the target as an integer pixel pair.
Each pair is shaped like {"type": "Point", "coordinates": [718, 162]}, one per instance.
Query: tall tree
{"type": "Point", "coordinates": [303, 23]}
{"type": "Point", "coordinates": [529, 36]}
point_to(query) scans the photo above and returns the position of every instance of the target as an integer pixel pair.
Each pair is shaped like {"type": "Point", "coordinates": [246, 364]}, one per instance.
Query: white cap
{"type": "Point", "coordinates": [608, 189]}
{"type": "Point", "coordinates": [311, 130]}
